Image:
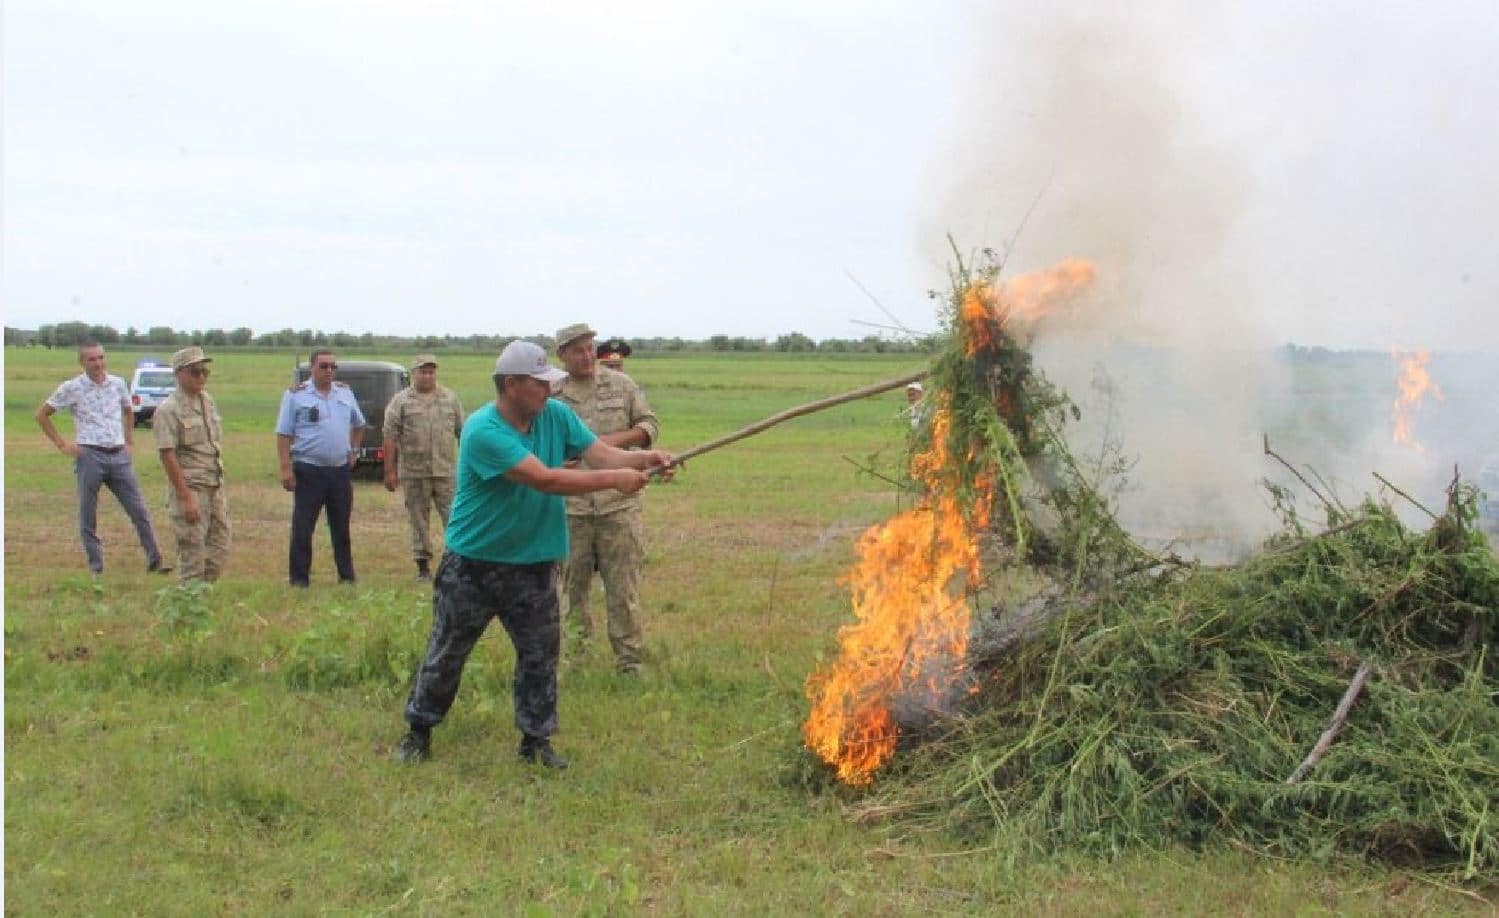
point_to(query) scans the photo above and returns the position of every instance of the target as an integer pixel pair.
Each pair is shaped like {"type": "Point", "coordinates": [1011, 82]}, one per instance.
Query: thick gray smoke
{"type": "Point", "coordinates": [1099, 124]}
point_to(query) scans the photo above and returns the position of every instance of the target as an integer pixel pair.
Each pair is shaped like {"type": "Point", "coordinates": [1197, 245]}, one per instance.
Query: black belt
{"type": "Point", "coordinates": [102, 449]}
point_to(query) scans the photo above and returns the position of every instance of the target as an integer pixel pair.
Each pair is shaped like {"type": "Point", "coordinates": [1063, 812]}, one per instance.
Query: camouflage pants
{"type": "Point", "coordinates": [202, 547]}
{"type": "Point", "coordinates": [466, 594]}
{"type": "Point", "coordinates": [421, 494]}
{"type": "Point", "coordinates": [614, 545]}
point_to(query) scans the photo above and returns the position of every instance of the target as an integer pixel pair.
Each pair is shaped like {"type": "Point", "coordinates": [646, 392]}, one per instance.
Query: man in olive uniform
{"type": "Point", "coordinates": [604, 528]}
{"type": "Point", "coordinates": [189, 435]}
{"type": "Point", "coordinates": [422, 425]}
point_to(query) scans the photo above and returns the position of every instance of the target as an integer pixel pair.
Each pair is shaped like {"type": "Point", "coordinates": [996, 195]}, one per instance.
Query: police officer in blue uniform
{"type": "Point", "coordinates": [318, 435]}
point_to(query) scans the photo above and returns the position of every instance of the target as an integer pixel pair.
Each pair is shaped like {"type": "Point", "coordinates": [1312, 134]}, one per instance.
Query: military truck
{"type": "Point", "coordinates": [374, 383]}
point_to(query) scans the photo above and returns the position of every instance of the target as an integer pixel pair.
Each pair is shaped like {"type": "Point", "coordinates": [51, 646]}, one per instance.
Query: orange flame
{"type": "Point", "coordinates": [1413, 382]}
{"type": "Point", "coordinates": [988, 309]}
{"type": "Point", "coordinates": [911, 580]}
{"type": "Point", "coordinates": [911, 634]}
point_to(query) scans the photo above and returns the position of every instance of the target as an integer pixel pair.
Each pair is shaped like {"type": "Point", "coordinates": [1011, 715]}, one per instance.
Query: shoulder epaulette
{"type": "Point", "coordinates": [297, 387]}
{"type": "Point", "coordinates": [339, 385]}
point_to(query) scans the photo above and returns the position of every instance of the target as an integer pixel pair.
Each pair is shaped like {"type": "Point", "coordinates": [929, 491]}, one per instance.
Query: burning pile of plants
{"type": "Point", "coordinates": [1338, 693]}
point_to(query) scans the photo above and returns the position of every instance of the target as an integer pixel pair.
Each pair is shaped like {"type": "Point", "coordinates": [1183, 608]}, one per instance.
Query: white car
{"type": "Point", "coordinates": [149, 387]}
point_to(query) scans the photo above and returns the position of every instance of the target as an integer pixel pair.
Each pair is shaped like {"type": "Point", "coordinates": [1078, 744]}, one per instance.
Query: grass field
{"type": "Point", "coordinates": [232, 752]}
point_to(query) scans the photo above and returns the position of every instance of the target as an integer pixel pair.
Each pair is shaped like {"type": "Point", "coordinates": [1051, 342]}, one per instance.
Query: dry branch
{"type": "Point", "coordinates": [1334, 726]}
{"type": "Point", "coordinates": [1309, 486]}
{"type": "Point", "coordinates": [1420, 506]}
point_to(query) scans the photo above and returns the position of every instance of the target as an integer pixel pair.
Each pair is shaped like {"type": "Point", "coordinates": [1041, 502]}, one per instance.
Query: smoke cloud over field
{"type": "Point", "coordinates": [1099, 135]}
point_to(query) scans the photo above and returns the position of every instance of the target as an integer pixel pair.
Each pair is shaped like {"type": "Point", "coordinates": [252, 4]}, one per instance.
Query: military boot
{"type": "Point", "coordinates": [423, 572]}
{"type": "Point", "coordinates": [415, 747]}
{"type": "Point", "coordinates": [538, 749]}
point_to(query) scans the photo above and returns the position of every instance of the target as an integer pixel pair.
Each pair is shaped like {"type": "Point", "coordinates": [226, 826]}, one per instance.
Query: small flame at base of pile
{"type": "Point", "coordinates": [908, 644]}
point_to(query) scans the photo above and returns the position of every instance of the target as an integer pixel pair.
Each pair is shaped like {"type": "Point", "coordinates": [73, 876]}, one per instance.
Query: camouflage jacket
{"type": "Point", "coordinates": [609, 403]}
{"type": "Point", "coordinates": [425, 429]}
{"type": "Point", "coordinates": [193, 429]}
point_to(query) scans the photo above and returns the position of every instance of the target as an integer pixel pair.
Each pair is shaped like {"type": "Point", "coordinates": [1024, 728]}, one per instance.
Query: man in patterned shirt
{"type": "Point", "coordinates": [188, 433]}
{"type": "Point", "coordinates": [101, 449]}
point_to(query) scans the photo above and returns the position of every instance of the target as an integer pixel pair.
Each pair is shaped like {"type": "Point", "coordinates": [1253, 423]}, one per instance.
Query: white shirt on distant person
{"type": "Point", "coordinates": [98, 409]}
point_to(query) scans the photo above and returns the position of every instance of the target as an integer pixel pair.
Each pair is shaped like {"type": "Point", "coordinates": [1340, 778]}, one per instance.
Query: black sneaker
{"type": "Point", "coordinates": [415, 747]}
{"type": "Point", "coordinates": [538, 750]}
{"type": "Point", "coordinates": [423, 572]}
{"type": "Point", "coordinates": [158, 567]}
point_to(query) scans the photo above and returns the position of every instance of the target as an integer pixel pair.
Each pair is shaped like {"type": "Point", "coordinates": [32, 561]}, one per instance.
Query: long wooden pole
{"type": "Point", "coordinates": [809, 408]}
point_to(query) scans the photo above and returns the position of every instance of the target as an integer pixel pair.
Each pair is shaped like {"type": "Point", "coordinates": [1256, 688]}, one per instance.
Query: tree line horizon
{"type": "Point", "coordinates": [71, 334]}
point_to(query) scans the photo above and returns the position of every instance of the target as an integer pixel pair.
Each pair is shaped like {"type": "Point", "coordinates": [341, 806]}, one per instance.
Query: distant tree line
{"type": "Point", "coordinates": [69, 334]}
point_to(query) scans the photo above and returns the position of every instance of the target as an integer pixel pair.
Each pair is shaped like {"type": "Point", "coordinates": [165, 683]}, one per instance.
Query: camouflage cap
{"type": "Point", "coordinates": [189, 356]}
{"type": "Point", "coordinates": [423, 360]}
{"type": "Point", "coordinates": [571, 333]}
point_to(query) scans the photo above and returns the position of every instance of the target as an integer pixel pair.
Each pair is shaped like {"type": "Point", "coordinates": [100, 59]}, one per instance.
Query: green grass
{"type": "Point", "coordinates": [241, 761]}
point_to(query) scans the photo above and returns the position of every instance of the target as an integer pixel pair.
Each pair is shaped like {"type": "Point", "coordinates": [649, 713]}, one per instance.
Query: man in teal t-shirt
{"type": "Point", "coordinates": [505, 534]}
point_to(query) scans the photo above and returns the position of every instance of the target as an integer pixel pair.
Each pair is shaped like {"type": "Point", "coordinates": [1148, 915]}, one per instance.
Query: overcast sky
{"type": "Point", "coordinates": [1326, 171]}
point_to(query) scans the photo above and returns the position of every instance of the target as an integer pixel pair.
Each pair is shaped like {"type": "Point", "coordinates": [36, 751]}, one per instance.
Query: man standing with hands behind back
{"type": "Point", "coordinates": [188, 435]}
{"type": "Point", "coordinates": [318, 434]}
{"type": "Point", "coordinates": [422, 425]}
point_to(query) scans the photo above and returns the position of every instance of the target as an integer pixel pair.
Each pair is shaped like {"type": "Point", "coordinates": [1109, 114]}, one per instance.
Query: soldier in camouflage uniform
{"type": "Point", "coordinates": [605, 528]}
{"type": "Point", "coordinates": [422, 425]}
{"type": "Point", "coordinates": [507, 531]}
{"type": "Point", "coordinates": [189, 433]}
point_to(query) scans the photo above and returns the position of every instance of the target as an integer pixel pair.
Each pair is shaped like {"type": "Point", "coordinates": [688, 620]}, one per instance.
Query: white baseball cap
{"type": "Point", "coordinates": [522, 358]}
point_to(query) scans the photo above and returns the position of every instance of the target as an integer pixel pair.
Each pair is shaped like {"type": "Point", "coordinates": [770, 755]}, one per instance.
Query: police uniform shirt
{"type": "Point", "coordinates": [318, 424]}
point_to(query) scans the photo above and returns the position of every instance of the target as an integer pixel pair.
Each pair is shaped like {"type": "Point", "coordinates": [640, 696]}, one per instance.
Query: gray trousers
{"type": "Point", "coordinates": [113, 470]}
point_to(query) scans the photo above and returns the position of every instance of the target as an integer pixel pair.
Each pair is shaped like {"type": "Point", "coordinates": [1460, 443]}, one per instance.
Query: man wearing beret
{"type": "Point", "coordinates": [422, 425]}
{"type": "Point", "coordinates": [605, 529]}
{"type": "Point", "coordinates": [189, 435]}
{"type": "Point", "coordinates": [612, 353]}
